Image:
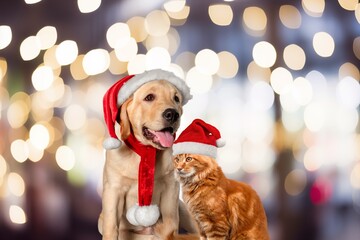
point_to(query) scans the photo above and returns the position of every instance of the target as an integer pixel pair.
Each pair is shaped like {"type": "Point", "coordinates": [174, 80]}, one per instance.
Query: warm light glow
{"type": "Point", "coordinates": [3, 167]}
{"type": "Point", "coordinates": [255, 21]}
{"type": "Point", "coordinates": [19, 150]}
{"type": "Point", "coordinates": [74, 117]}
{"type": "Point", "coordinates": [5, 36]}
{"type": "Point", "coordinates": [16, 184]}
{"type": "Point", "coordinates": [348, 92]}
{"type": "Point", "coordinates": [302, 91]}
{"type": "Point", "coordinates": [87, 6]}
{"type": "Point", "coordinates": [313, 158]}
{"type": "Point", "coordinates": [3, 68]}
{"type": "Point", "coordinates": [39, 136]}
{"type": "Point", "coordinates": [290, 16]}
{"type": "Point", "coordinates": [17, 215]}
{"type": "Point", "coordinates": [207, 62]}
{"type": "Point", "coordinates": [157, 23]}
{"type": "Point", "coordinates": [32, 1]}
{"type": "Point", "coordinates": [77, 68]}
{"type": "Point", "coordinates": [323, 44]}
{"type": "Point", "coordinates": [357, 12]}
{"type": "Point", "coordinates": [96, 61]}
{"type": "Point", "coordinates": [50, 58]}
{"type": "Point", "coordinates": [65, 158]}
{"type": "Point", "coordinates": [117, 67]}
{"type": "Point", "coordinates": [118, 35]}
{"type": "Point", "coordinates": [349, 70]}
{"type": "Point", "coordinates": [355, 176]}
{"type": "Point", "coordinates": [264, 54]}
{"type": "Point", "coordinates": [229, 65]}
{"type": "Point", "coordinates": [35, 154]}
{"type": "Point", "coordinates": [137, 64]}
{"type": "Point", "coordinates": [356, 42]}
{"type": "Point", "coordinates": [349, 5]}
{"type": "Point", "coordinates": [174, 5]}
{"type": "Point", "coordinates": [314, 8]}
{"type": "Point", "coordinates": [157, 58]}
{"type": "Point", "coordinates": [128, 51]}
{"type": "Point", "coordinates": [294, 57]}
{"type": "Point", "coordinates": [315, 116]}
{"type": "Point", "coordinates": [221, 14]}
{"type": "Point", "coordinates": [18, 113]}
{"type": "Point", "coordinates": [30, 48]}
{"type": "Point", "coordinates": [47, 37]}
{"type": "Point", "coordinates": [66, 52]}
{"type": "Point", "coordinates": [181, 15]}
{"type": "Point", "coordinates": [281, 80]}
{"type": "Point", "coordinates": [295, 182]}
{"type": "Point", "coordinates": [42, 78]}
{"type": "Point", "coordinates": [257, 73]}
{"type": "Point", "coordinates": [198, 82]}
{"type": "Point", "coordinates": [137, 28]}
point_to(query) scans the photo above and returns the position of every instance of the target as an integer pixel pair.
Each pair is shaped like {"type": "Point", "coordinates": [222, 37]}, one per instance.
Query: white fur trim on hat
{"type": "Point", "coordinates": [111, 143]}
{"type": "Point", "coordinates": [195, 148]}
{"type": "Point", "coordinates": [220, 142]}
{"type": "Point", "coordinates": [143, 215]}
{"type": "Point", "coordinates": [157, 74]}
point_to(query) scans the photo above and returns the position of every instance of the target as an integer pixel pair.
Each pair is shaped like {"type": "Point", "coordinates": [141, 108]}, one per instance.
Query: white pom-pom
{"type": "Point", "coordinates": [220, 142]}
{"type": "Point", "coordinates": [143, 216]}
{"type": "Point", "coordinates": [111, 143]}
{"type": "Point", "coordinates": [147, 215]}
{"type": "Point", "coordinates": [130, 215]}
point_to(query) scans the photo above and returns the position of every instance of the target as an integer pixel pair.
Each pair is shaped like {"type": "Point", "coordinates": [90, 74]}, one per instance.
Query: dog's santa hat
{"type": "Point", "coordinates": [199, 138]}
{"type": "Point", "coordinates": [142, 214]}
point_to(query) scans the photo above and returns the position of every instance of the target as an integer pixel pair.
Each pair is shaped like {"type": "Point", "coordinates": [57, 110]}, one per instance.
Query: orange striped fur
{"type": "Point", "coordinates": [223, 208]}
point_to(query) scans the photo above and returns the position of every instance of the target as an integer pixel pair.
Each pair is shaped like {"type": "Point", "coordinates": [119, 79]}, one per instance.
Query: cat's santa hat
{"type": "Point", "coordinates": [142, 214]}
{"type": "Point", "coordinates": [199, 138]}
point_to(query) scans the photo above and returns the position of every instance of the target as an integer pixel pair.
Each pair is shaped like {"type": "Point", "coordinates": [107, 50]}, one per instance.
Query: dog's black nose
{"type": "Point", "coordinates": [170, 115]}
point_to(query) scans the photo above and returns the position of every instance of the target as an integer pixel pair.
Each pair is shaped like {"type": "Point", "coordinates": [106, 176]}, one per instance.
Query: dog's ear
{"type": "Point", "coordinates": [125, 127]}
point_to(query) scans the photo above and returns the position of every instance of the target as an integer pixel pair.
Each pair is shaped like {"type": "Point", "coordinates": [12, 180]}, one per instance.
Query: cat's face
{"type": "Point", "coordinates": [187, 165]}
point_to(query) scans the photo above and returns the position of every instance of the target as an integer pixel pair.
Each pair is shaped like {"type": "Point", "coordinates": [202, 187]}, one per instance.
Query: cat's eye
{"type": "Point", "coordinates": [188, 159]}
{"type": "Point", "coordinates": [150, 97]}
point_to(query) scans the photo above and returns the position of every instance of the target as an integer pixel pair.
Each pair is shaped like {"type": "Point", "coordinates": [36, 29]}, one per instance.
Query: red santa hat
{"type": "Point", "coordinates": [124, 88]}
{"type": "Point", "coordinates": [199, 138]}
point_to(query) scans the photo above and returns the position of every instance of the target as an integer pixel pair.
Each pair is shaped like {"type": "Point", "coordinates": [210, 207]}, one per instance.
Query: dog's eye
{"type": "Point", "coordinates": [188, 159]}
{"type": "Point", "coordinates": [176, 99]}
{"type": "Point", "coordinates": [150, 97]}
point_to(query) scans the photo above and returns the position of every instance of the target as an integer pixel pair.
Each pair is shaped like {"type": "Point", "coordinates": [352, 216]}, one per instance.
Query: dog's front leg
{"type": "Point", "coordinates": [169, 210]}
{"type": "Point", "coordinates": [111, 210]}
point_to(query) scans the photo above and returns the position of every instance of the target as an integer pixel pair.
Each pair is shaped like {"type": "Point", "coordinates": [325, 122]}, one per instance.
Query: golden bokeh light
{"type": "Point", "coordinates": [349, 70]}
{"type": "Point", "coordinates": [355, 176]}
{"type": "Point", "coordinates": [19, 150]}
{"type": "Point", "coordinates": [257, 73]}
{"type": "Point", "coordinates": [77, 68]}
{"type": "Point", "coordinates": [281, 80]}
{"type": "Point", "coordinates": [198, 82]}
{"type": "Point", "coordinates": [47, 37]}
{"type": "Point", "coordinates": [65, 158]}
{"type": "Point", "coordinates": [17, 114]}
{"type": "Point", "coordinates": [356, 46]}
{"type": "Point", "coordinates": [157, 41]}
{"type": "Point", "coordinates": [264, 54]}
{"type": "Point", "coordinates": [290, 16]}
{"type": "Point", "coordinates": [16, 184]}
{"type": "Point", "coordinates": [5, 36]}
{"type": "Point", "coordinates": [229, 65]}
{"type": "Point", "coordinates": [295, 182]}
{"type": "Point", "coordinates": [313, 158]}
{"type": "Point", "coordinates": [50, 58]}
{"type": "Point", "coordinates": [357, 12]}
{"type": "Point", "coordinates": [30, 48]}
{"type": "Point", "coordinates": [294, 57]}
{"type": "Point", "coordinates": [207, 62]}
{"type": "Point", "coordinates": [17, 214]}
{"type": "Point", "coordinates": [314, 8]}
{"type": "Point", "coordinates": [128, 51]}
{"type": "Point", "coordinates": [66, 52]}
{"type": "Point", "coordinates": [137, 64]}
{"type": "Point", "coordinates": [323, 44]}
{"type": "Point", "coordinates": [32, 1]}
{"type": "Point", "coordinates": [157, 58]}
{"type": "Point", "coordinates": [174, 5]}
{"type": "Point", "coordinates": [315, 116]}
{"type": "Point", "coordinates": [35, 154]}
{"type": "Point", "coordinates": [349, 5]}
{"type": "Point", "coordinates": [39, 136]}
{"type": "Point", "coordinates": [74, 117]}
{"type": "Point", "coordinates": [137, 28]}
{"type": "Point", "coordinates": [42, 78]}
{"type": "Point", "coordinates": [180, 16]}
{"type": "Point", "coordinates": [174, 41]}
{"type": "Point", "coordinates": [3, 68]}
{"type": "Point", "coordinates": [3, 167]}
{"type": "Point", "coordinates": [117, 67]}
{"type": "Point", "coordinates": [254, 21]}
{"type": "Point", "coordinates": [96, 61]}
{"type": "Point", "coordinates": [88, 6]}
{"type": "Point", "coordinates": [221, 14]}
{"type": "Point", "coordinates": [157, 23]}
{"type": "Point", "coordinates": [118, 35]}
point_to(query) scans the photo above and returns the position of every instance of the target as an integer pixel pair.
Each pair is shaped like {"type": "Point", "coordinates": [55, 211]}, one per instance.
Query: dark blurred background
{"type": "Point", "coordinates": [280, 79]}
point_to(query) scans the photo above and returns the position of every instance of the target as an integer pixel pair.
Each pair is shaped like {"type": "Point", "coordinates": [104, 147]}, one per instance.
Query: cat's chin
{"type": "Point", "coordinates": [185, 175]}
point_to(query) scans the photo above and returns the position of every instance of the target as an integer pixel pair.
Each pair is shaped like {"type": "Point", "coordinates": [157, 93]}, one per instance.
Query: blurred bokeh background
{"type": "Point", "coordinates": [279, 78]}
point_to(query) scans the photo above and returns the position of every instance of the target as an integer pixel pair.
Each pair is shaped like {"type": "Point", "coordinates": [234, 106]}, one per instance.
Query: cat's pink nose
{"type": "Point", "coordinates": [179, 169]}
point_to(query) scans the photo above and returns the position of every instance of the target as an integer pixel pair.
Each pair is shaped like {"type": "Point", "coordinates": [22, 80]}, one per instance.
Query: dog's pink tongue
{"type": "Point", "coordinates": [166, 139]}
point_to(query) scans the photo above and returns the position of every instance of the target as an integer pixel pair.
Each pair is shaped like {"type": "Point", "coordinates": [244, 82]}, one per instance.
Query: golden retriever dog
{"type": "Point", "coordinates": [152, 114]}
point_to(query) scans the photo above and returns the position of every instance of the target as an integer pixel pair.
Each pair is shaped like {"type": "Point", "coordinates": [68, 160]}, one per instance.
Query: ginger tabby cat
{"type": "Point", "coordinates": [223, 208]}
